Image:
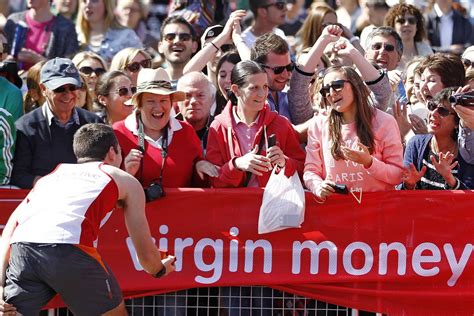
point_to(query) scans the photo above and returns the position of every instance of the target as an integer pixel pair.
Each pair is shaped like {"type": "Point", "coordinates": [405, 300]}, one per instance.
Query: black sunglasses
{"type": "Point", "coordinates": [280, 5]}
{"type": "Point", "coordinates": [136, 66]}
{"type": "Point", "coordinates": [410, 20]}
{"type": "Point", "coordinates": [336, 85]}
{"type": "Point", "coordinates": [278, 70]}
{"type": "Point", "coordinates": [432, 106]}
{"type": "Point", "coordinates": [124, 91]}
{"type": "Point", "coordinates": [467, 63]}
{"type": "Point", "coordinates": [66, 88]}
{"type": "Point", "coordinates": [183, 37]}
{"type": "Point", "coordinates": [387, 47]}
{"type": "Point", "coordinates": [86, 70]}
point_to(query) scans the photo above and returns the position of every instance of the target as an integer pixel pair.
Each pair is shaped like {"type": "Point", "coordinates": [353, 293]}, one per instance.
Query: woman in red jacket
{"type": "Point", "coordinates": [157, 148]}
{"type": "Point", "coordinates": [239, 137]}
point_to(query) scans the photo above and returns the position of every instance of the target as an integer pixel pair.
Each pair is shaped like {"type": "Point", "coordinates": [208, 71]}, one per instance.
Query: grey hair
{"type": "Point", "coordinates": [385, 31]}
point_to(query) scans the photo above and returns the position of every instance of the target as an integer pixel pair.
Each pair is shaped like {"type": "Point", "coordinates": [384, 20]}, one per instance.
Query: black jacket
{"type": "Point", "coordinates": [39, 148]}
{"type": "Point", "coordinates": [461, 29]}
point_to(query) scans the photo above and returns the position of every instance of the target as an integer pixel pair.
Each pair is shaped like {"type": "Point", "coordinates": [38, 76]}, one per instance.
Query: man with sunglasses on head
{"type": "Point", "coordinates": [44, 136]}
{"type": "Point", "coordinates": [268, 14]}
{"type": "Point", "coordinates": [178, 43]}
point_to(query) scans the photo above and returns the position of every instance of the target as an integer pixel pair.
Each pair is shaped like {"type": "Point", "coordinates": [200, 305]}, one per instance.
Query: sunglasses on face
{"type": "Point", "coordinates": [67, 88]}
{"type": "Point", "coordinates": [86, 70]}
{"type": "Point", "coordinates": [467, 63]}
{"type": "Point", "coordinates": [124, 91]}
{"type": "Point", "coordinates": [410, 20]}
{"type": "Point", "coordinates": [280, 5]}
{"type": "Point", "coordinates": [278, 70]}
{"type": "Point", "coordinates": [136, 66]}
{"type": "Point", "coordinates": [387, 47]}
{"type": "Point", "coordinates": [183, 37]}
{"type": "Point", "coordinates": [336, 85]}
{"type": "Point", "coordinates": [442, 111]}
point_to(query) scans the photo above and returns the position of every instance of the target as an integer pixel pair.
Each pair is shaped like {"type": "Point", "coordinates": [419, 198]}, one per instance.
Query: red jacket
{"type": "Point", "coordinates": [218, 151]}
{"type": "Point", "coordinates": [184, 151]}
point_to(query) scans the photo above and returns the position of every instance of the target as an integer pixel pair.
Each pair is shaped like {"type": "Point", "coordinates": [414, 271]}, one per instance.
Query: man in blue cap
{"type": "Point", "coordinates": [44, 136]}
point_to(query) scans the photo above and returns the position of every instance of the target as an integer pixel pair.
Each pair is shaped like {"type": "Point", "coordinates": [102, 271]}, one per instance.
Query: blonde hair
{"type": "Point", "coordinates": [125, 56]}
{"type": "Point", "coordinates": [82, 56]}
{"type": "Point", "coordinates": [82, 26]}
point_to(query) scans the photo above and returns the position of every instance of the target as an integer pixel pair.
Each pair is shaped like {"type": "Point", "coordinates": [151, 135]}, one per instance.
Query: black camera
{"type": "Point", "coordinates": [340, 188]}
{"type": "Point", "coordinates": [154, 192]}
{"type": "Point", "coordinates": [465, 99]}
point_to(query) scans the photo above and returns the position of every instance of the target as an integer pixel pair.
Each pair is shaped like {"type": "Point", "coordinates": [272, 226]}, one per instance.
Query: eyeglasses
{"type": "Point", "coordinates": [387, 47]}
{"type": "Point", "coordinates": [86, 70]}
{"type": "Point", "coordinates": [280, 5]}
{"type": "Point", "coordinates": [432, 106]}
{"type": "Point", "coordinates": [66, 88]}
{"type": "Point", "coordinates": [410, 20]}
{"type": "Point", "coordinates": [467, 63]}
{"type": "Point", "coordinates": [336, 85]}
{"type": "Point", "coordinates": [124, 91]}
{"type": "Point", "coordinates": [278, 70]}
{"type": "Point", "coordinates": [183, 37]}
{"type": "Point", "coordinates": [136, 66]}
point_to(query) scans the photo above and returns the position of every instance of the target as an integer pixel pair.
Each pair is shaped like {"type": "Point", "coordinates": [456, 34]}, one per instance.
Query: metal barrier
{"type": "Point", "coordinates": [227, 301]}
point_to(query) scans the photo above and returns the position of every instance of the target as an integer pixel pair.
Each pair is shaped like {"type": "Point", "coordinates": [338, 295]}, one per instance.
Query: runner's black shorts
{"type": "Point", "coordinates": [37, 272]}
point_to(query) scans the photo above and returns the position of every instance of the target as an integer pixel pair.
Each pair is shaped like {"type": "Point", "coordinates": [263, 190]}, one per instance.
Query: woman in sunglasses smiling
{"type": "Point", "coordinates": [131, 60]}
{"type": "Point", "coordinates": [92, 66]}
{"type": "Point", "coordinates": [356, 144]}
{"type": "Point", "coordinates": [432, 160]}
{"type": "Point", "coordinates": [113, 90]}
{"type": "Point", "coordinates": [408, 22]}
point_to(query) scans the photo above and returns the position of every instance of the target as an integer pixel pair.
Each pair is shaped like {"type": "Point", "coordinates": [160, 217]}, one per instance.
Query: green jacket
{"type": "Point", "coordinates": [11, 108]}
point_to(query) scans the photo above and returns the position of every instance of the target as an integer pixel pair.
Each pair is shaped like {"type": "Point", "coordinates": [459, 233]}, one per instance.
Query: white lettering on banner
{"type": "Point", "coordinates": [457, 267]}
{"type": "Point", "coordinates": [419, 258]}
{"type": "Point", "coordinates": [347, 258]}
{"type": "Point", "coordinates": [315, 249]}
{"type": "Point", "coordinates": [250, 247]}
{"type": "Point", "coordinates": [215, 266]}
{"type": "Point", "coordinates": [208, 256]}
{"type": "Point", "coordinates": [402, 257]}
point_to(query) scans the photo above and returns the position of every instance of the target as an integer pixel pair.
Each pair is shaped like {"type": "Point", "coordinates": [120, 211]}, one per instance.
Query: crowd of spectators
{"type": "Point", "coordinates": [196, 89]}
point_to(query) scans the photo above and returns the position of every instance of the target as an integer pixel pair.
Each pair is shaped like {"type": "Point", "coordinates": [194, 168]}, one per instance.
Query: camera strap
{"type": "Point", "coordinates": [141, 147]}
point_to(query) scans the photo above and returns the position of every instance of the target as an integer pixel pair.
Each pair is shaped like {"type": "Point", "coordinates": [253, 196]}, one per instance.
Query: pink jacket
{"type": "Point", "coordinates": [218, 149]}
{"type": "Point", "coordinates": [382, 175]}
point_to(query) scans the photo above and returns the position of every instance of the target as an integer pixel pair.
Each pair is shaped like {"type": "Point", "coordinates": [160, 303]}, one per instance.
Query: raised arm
{"type": "Point", "coordinates": [209, 51]}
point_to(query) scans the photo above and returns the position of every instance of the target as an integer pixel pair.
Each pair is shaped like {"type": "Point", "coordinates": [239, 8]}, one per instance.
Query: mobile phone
{"type": "Point", "coordinates": [340, 188]}
{"type": "Point", "coordinates": [271, 141]}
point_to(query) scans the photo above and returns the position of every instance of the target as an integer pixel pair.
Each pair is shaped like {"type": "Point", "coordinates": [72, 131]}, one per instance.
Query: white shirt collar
{"type": "Point", "coordinates": [50, 115]}
{"type": "Point", "coordinates": [440, 13]}
{"type": "Point", "coordinates": [173, 126]}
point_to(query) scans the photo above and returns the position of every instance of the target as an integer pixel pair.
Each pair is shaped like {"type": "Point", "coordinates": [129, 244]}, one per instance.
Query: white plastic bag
{"type": "Point", "coordinates": [283, 203]}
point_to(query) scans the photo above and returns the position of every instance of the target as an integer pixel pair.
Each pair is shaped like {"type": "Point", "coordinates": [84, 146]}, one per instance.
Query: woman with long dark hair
{"type": "Point", "coordinates": [355, 144]}
{"type": "Point", "coordinates": [240, 137]}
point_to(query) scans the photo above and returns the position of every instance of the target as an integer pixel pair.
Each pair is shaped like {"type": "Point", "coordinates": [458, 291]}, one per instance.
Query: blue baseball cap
{"type": "Point", "coordinates": [58, 72]}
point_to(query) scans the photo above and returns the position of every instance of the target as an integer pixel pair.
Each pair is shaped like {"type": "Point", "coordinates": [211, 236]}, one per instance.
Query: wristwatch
{"type": "Point", "coordinates": [160, 273]}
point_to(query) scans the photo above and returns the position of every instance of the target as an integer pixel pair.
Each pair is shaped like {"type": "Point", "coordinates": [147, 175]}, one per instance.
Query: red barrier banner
{"type": "Point", "coordinates": [406, 252]}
